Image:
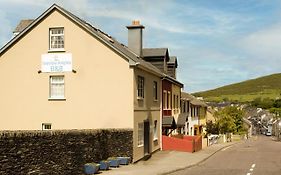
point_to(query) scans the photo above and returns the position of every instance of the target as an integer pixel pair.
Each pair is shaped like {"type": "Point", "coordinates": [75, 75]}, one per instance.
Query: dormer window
{"type": "Point", "coordinates": [57, 39]}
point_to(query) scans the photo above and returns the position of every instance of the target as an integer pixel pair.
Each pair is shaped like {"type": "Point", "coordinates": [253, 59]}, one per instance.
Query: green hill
{"type": "Point", "coordinates": [264, 87]}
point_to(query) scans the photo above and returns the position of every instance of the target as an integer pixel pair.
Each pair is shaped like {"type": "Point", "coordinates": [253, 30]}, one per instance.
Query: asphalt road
{"type": "Point", "coordinates": [258, 156]}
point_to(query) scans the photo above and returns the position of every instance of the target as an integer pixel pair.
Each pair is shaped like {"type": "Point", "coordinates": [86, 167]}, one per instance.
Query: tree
{"type": "Point", "coordinates": [277, 103]}
{"type": "Point", "coordinates": [225, 122]}
{"type": "Point", "coordinates": [256, 102]}
{"type": "Point", "coordinates": [237, 115]}
{"type": "Point", "coordinates": [212, 128]}
{"type": "Point", "coordinates": [229, 119]}
{"type": "Point", "coordinates": [276, 111]}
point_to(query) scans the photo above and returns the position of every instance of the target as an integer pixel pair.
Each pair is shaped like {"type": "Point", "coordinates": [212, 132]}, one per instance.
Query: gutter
{"type": "Point", "coordinates": [138, 65]}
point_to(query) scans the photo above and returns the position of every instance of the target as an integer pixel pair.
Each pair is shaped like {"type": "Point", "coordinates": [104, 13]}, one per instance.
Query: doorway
{"type": "Point", "coordinates": [146, 137]}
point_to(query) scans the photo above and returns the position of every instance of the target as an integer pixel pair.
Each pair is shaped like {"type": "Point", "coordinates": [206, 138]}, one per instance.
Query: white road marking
{"type": "Point", "coordinates": [252, 169]}
{"type": "Point", "coordinates": [226, 148]}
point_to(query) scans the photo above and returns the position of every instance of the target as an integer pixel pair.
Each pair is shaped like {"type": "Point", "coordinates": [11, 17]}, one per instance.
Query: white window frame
{"type": "Point", "coordinates": [155, 90]}
{"type": "Point", "coordinates": [56, 37]}
{"type": "Point", "coordinates": [140, 134]}
{"type": "Point", "coordinates": [52, 84]}
{"type": "Point", "coordinates": [46, 126]}
{"type": "Point", "coordinates": [169, 99]}
{"type": "Point", "coordinates": [155, 135]}
{"type": "Point", "coordinates": [165, 100]}
{"type": "Point", "coordinates": [140, 88]}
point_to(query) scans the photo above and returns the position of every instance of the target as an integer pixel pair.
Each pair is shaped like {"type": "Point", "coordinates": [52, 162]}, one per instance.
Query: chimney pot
{"type": "Point", "coordinates": [136, 22]}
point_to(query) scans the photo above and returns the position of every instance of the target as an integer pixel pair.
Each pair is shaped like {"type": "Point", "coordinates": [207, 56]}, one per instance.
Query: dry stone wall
{"type": "Point", "coordinates": [60, 152]}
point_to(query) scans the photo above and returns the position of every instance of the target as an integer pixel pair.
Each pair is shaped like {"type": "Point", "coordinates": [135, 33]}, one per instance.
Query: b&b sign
{"type": "Point", "coordinates": [61, 62]}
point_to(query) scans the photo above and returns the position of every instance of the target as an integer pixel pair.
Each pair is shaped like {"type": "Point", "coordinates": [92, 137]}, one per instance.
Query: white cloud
{"type": "Point", "coordinates": [264, 43]}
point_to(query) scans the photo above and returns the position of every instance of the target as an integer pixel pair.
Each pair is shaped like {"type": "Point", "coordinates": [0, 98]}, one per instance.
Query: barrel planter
{"type": "Point", "coordinates": [124, 160]}
{"type": "Point", "coordinates": [104, 165]}
{"type": "Point", "coordinates": [113, 162]}
{"type": "Point", "coordinates": [91, 168]}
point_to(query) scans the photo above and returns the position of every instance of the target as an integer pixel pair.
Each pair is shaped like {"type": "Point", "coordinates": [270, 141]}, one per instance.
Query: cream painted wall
{"type": "Point", "coordinates": [99, 95]}
{"type": "Point", "coordinates": [147, 108]}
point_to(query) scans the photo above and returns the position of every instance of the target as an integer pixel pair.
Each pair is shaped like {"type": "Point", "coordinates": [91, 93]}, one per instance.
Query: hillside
{"type": "Point", "coordinates": [267, 86]}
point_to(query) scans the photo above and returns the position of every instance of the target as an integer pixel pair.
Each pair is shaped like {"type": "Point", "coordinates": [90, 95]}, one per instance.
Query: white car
{"type": "Point", "coordinates": [268, 133]}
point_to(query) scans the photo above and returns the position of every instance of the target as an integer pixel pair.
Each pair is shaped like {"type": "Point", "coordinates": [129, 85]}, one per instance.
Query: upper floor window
{"type": "Point", "coordinates": [165, 100]}
{"type": "Point", "coordinates": [56, 39]}
{"type": "Point", "coordinates": [140, 87]}
{"type": "Point", "coordinates": [174, 102]}
{"type": "Point", "coordinates": [155, 90]}
{"type": "Point", "coordinates": [169, 101]}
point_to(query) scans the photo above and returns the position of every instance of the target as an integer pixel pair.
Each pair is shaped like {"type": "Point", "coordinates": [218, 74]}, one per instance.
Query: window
{"type": "Point", "coordinates": [56, 87]}
{"type": "Point", "coordinates": [177, 102]}
{"type": "Point", "coordinates": [174, 101]}
{"type": "Point", "coordinates": [155, 130]}
{"type": "Point", "coordinates": [165, 100]}
{"type": "Point", "coordinates": [155, 91]}
{"type": "Point", "coordinates": [140, 134]}
{"type": "Point", "coordinates": [197, 111]}
{"type": "Point", "coordinates": [140, 87]}
{"type": "Point", "coordinates": [169, 105]}
{"type": "Point", "coordinates": [183, 106]}
{"type": "Point", "coordinates": [46, 126]}
{"type": "Point", "coordinates": [56, 39]}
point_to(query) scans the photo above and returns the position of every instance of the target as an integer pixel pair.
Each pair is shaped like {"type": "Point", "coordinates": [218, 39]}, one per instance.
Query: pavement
{"type": "Point", "coordinates": [166, 162]}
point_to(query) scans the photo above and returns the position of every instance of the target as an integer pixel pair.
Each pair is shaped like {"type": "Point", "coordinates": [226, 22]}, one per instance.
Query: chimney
{"type": "Point", "coordinates": [22, 25]}
{"type": "Point", "coordinates": [135, 37]}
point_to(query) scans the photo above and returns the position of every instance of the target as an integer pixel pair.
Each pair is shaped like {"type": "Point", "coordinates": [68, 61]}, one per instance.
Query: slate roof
{"type": "Point", "coordinates": [154, 52]}
{"type": "Point", "coordinates": [168, 121]}
{"type": "Point", "coordinates": [22, 25]}
{"type": "Point", "coordinates": [134, 60]}
{"type": "Point", "coordinates": [187, 96]}
{"type": "Point", "coordinates": [171, 79]}
{"type": "Point", "coordinates": [173, 61]}
{"type": "Point", "coordinates": [182, 119]}
{"type": "Point", "coordinates": [197, 102]}
{"type": "Point", "coordinates": [193, 100]}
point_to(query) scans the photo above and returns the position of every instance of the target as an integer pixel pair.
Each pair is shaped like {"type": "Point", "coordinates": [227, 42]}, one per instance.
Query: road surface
{"type": "Point", "coordinates": [257, 156]}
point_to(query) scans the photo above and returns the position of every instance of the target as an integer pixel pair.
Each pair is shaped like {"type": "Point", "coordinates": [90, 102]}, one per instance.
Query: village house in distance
{"type": "Point", "coordinates": [62, 73]}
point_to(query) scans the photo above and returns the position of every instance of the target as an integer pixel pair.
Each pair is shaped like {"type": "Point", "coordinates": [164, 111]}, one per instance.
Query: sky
{"type": "Point", "coordinates": [217, 42]}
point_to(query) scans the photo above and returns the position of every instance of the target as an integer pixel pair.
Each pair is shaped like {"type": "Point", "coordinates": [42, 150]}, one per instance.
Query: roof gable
{"type": "Point", "coordinates": [121, 49]}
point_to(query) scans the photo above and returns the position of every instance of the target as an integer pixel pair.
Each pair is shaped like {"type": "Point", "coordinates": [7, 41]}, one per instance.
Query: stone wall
{"type": "Point", "coordinates": [60, 152]}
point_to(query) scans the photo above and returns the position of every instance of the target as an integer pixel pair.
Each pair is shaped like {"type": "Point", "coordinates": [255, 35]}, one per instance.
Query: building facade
{"type": "Point", "coordinates": [60, 72]}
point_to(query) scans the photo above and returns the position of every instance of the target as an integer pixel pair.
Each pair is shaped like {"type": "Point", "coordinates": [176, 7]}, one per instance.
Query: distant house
{"type": "Point", "coordinates": [197, 112]}
{"type": "Point", "coordinates": [210, 114]}
{"type": "Point", "coordinates": [60, 72]}
{"type": "Point", "coordinates": [171, 87]}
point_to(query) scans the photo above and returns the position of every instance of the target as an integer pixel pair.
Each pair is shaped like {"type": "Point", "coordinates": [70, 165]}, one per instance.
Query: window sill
{"type": "Point", "coordinates": [140, 98]}
{"type": "Point", "coordinates": [155, 100]}
{"type": "Point", "coordinates": [139, 146]}
{"type": "Point", "coordinates": [57, 99]}
{"type": "Point", "coordinates": [56, 50]}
